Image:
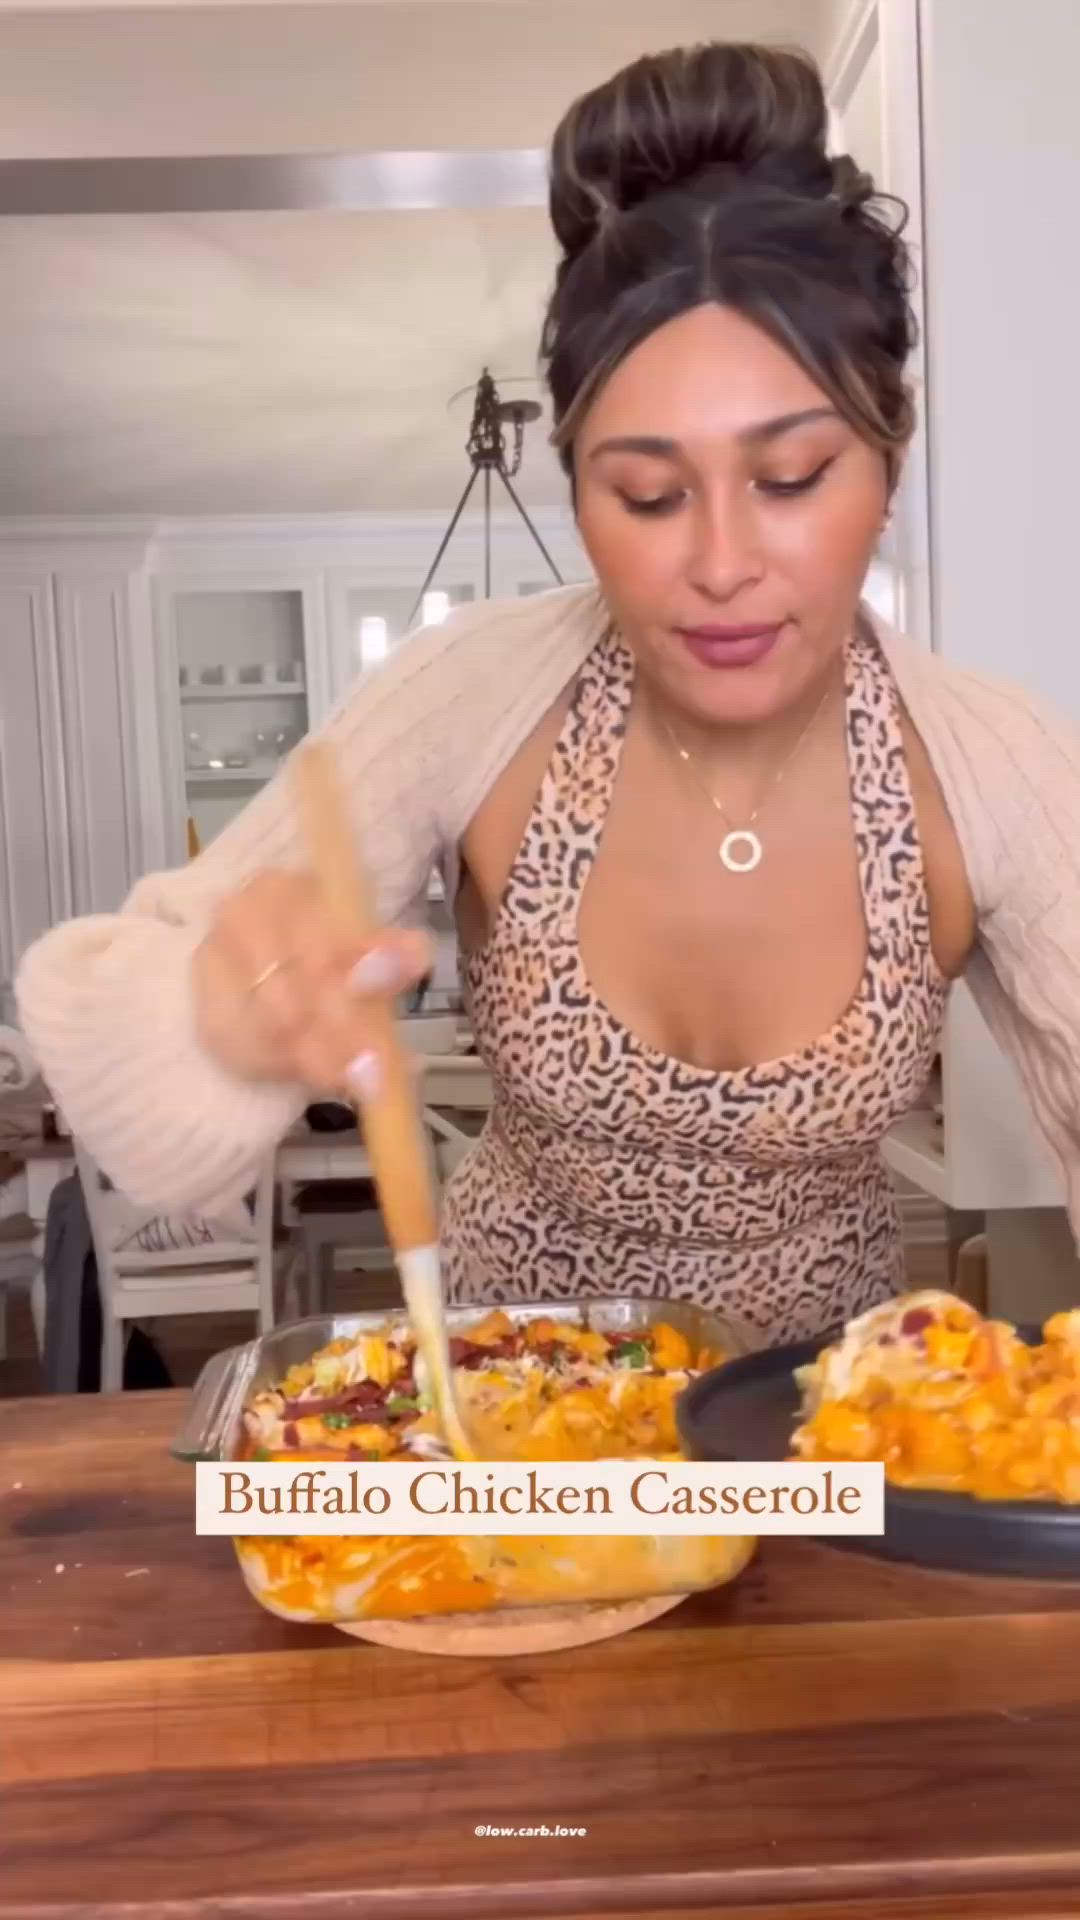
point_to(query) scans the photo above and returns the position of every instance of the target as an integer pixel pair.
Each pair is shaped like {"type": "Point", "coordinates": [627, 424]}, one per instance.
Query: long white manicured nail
{"type": "Point", "coordinates": [377, 972]}
{"type": "Point", "coordinates": [364, 1076]}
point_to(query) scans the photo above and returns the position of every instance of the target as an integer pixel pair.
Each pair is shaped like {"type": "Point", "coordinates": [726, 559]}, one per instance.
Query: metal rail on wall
{"type": "Point", "coordinates": [386, 182]}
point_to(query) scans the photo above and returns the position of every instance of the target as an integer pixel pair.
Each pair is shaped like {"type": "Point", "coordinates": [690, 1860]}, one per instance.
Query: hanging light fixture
{"type": "Point", "coordinates": [488, 455]}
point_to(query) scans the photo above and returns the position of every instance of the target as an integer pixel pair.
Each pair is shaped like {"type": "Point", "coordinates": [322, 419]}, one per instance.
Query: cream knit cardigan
{"type": "Point", "coordinates": [106, 1001]}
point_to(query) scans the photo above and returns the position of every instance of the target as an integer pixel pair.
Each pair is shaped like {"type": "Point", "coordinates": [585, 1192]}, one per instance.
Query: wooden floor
{"type": "Point", "coordinates": [185, 1344]}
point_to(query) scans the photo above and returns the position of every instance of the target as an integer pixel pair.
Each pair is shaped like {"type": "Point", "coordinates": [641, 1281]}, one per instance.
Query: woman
{"type": "Point", "coordinates": [701, 817]}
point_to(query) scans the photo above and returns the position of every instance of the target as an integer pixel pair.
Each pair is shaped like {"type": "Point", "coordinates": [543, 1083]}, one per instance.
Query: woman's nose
{"type": "Point", "coordinates": [727, 553]}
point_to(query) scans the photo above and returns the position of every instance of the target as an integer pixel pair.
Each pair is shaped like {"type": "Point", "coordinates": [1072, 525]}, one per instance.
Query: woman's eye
{"type": "Point", "coordinates": [657, 504]}
{"type": "Point", "coordinates": [787, 489]}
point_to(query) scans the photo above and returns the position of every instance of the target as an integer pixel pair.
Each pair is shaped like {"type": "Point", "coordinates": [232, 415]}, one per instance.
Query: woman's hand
{"type": "Point", "coordinates": [279, 997]}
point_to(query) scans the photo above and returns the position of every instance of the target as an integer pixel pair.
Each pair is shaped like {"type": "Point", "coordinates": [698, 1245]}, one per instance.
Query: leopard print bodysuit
{"type": "Point", "coordinates": [608, 1168]}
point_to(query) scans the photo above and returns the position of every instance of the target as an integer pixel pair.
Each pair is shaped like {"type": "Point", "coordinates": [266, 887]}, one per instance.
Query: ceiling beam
{"type": "Point", "coordinates": [275, 183]}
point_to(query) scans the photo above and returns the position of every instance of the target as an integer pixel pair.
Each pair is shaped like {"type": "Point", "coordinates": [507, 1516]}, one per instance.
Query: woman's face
{"type": "Point", "coordinates": [730, 514]}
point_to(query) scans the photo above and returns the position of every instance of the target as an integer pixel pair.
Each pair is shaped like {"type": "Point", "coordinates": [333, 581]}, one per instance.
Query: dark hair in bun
{"type": "Point", "coordinates": [702, 175]}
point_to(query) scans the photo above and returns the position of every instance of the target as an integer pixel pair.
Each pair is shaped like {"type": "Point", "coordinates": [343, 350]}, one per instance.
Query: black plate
{"type": "Point", "coordinates": [329, 1116]}
{"type": "Point", "coordinates": [748, 1410]}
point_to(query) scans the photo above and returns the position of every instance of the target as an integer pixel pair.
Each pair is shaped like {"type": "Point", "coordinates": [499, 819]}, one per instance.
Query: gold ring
{"type": "Point", "coordinates": [267, 973]}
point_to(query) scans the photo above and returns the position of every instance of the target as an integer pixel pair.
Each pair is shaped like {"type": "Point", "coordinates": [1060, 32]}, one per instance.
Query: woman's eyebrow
{"type": "Point", "coordinates": [658, 447]}
{"type": "Point", "coordinates": [649, 443]}
{"type": "Point", "coordinates": [784, 423]}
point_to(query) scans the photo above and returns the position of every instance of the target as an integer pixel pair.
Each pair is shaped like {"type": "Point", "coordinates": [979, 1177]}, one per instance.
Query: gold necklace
{"type": "Point", "coordinates": [744, 837]}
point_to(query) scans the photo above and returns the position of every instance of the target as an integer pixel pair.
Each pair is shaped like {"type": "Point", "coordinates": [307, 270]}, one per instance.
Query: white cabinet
{"type": "Point", "coordinates": [35, 881]}
{"type": "Point", "coordinates": [243, 674]}
{"type": "Point", "coordinates": [80, 771]}
{"type": "Point", "coordinates": [153, 674]}
{"type": "Point", "coordinates": [110, 757]}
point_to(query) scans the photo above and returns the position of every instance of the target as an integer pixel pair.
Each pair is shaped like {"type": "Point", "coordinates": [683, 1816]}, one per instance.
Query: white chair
{"type": "Point", "coordinates": [20, 1240]}
{"type": "Point", "coordinates": [328, 1217]}
{"type": "Point", "coordinates": [224, 1276]}
{"type": "Point", "coordinates": [20, 1272]}
{"type": "Point", "coordinates": [457, 1080]}
{"type": "Point", "coordinates": [454, 1133]}
{"type": "Point", "coordinates": [332, 1218]}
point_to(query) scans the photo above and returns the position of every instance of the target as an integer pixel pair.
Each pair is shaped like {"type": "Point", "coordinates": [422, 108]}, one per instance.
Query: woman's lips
{"type": "Point", "coordinates": [740, 646]}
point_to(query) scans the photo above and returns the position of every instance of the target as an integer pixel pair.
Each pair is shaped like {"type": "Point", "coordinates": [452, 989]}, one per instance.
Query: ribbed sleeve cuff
{"type": "Point", "coordinates": [106, 1005]}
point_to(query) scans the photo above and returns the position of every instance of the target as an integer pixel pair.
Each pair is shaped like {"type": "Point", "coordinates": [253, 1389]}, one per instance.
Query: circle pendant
{"type": "Point", "coordinates": [749, 860]}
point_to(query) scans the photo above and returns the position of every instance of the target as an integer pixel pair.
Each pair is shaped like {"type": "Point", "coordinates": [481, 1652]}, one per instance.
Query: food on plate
{"type": "Point", "coordinates": [538, 1388]}
{"type": "Point", "coordinates": [949, 1400]}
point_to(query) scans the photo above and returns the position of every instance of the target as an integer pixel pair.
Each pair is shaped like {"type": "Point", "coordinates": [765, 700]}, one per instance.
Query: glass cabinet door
{"type": "Point", "coordinates": [242, 687]}
{"type": "Point", "coordinates": [377, 618]}
{"type": "Point", "coordinates": [368, 621]}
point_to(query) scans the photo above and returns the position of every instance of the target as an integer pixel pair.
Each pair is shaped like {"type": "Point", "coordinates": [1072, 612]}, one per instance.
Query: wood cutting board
{"type": "Point", "coordinates": [514, 1630]}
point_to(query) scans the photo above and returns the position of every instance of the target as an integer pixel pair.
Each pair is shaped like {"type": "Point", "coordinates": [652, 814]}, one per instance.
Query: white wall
{"type": "Point", "coordinates": [1002, 162]}
{"type": "Point", "coordinates": [863, 120]}
{"type": "Point", "coordinates": [1001, 148]}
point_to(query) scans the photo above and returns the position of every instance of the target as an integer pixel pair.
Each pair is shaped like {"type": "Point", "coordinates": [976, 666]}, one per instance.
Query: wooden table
{"type": "Point", "coordinates": [830, 1738]}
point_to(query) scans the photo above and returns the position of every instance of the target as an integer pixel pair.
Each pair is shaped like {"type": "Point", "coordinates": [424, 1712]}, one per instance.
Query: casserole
{"type": "Point", "coordinates": [344, 1580]}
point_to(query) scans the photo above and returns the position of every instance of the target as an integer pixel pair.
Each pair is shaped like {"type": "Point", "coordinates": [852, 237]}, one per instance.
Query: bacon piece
{"type": "Point", "coordinates": [916, 1320]}
{"type": "Point", "coordinates": [509, 1347]}
{"type": "Point", "coordinates": [362, 1394]}
{"type": "Point", "coordinates": [466, 1353]}
{"type": "Point", "coordinates": [472, 1353]}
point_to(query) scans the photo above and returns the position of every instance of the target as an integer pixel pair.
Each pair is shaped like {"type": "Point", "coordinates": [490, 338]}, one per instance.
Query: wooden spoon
{"type": "Point", "coordinates": [394, 1134]}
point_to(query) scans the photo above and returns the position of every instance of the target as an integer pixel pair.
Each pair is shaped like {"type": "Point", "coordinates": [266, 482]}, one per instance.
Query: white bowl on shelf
{"type": "Point", "coordinates": [431, 1033]}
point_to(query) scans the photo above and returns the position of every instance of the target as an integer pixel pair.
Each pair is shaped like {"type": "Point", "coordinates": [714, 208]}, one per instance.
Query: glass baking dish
{"type": "Point", "coordinates": [347, 1580]}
